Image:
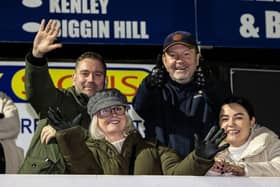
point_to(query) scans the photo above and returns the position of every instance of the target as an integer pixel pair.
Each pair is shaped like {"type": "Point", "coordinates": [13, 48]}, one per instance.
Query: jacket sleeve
{"type": "Point", "coordinates": [144, 100]}
{"type": "Point", "coordinates": [172, 164]}
{"type": "Point", "coordinates": [79, 159]}
{"type": "Point", "coordinates": [40, 90]}
{"type": "Point", "coordinates": [10, 124]}
{"type": "Point", "coordinates": [269, 168]}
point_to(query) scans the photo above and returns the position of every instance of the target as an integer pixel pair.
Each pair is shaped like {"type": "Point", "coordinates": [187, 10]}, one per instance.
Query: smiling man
{"type": "Point", "coordinates": [88, 78]}
{"type": "Point", "coordinates": [176, 100]}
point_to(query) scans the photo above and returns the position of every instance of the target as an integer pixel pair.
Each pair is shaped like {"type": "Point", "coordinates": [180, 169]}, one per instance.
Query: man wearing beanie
{"type": "Point", "coordinates": [178, 99]}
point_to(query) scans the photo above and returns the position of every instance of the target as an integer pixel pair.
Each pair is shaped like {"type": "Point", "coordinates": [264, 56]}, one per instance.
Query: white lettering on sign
{"type": "Point", "coordinates": [78, 6]}
{"type": "Point", "coordinates": [87, 28]}
{"type": "Point", "coordinates": [130, 30]}
{"type": "Point", "coordinates": [247, 29]}
{"type": "Point", "coordinates": [84, 28]}
{"type": "Point", "coordinates": [271, 22]}
{"type": "Point", "coordinates": [101, 29]}
{"type": "Point", "coordinates": [272, 19]}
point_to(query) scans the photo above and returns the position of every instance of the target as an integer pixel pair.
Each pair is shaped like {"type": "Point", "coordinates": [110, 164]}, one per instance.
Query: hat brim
{"type": "Point", "coordinates": [182, 43]}
{"type": "Point", "coordinates": [108, 104]}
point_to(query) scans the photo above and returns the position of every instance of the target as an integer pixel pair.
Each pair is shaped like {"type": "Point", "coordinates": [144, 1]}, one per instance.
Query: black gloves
{"type": "Point", "coordinates": [2, 115]}
{"type": "Point", "coordinates": [209, 147]}
{"type": "Point", "coordinates": [59, 122]}
{"type": "Point", "coordinates": [157, 77]}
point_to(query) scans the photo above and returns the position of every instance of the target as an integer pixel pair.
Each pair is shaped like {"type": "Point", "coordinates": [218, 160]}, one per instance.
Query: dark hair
{"type": "Point", "coordinates": [245, 103]}
{"type": "Point", "coordinates": [92, 55]}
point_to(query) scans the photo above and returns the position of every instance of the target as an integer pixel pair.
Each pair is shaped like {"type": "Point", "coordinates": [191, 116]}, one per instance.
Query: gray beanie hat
{"type": "Point", "coordinates": [105, 98]}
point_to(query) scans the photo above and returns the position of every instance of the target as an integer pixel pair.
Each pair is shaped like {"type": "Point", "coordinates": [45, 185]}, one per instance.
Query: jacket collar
{"type": "Point", "coordinates": [80, 98]}
{"type": "Point", "coordinates": [188, 86]}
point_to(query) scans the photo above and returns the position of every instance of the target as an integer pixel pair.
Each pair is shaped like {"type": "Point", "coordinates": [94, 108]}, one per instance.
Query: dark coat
{"type": "Point", "coordinates": [85, 155]}
{"type": "Point", "coordinates": [42, 93]}
{"type": "Point", "coordinates": [173, 113]}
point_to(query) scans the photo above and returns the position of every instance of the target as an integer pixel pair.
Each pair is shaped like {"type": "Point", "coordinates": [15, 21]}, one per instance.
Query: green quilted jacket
{"type": "Point", "coordinates": [42, 93]}
{"type": "Point", "coordinates": [84, 155]}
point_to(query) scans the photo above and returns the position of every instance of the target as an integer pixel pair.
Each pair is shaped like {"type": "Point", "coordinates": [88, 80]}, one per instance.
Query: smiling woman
{"type": "Point", "coordinates": [237, 123]}
{"type": "Point", "coordinates": [110, 120]}
{"type": "Point", "coordinates": [114, 146]}
{"type": "Point", "coordinates": [253, 151]}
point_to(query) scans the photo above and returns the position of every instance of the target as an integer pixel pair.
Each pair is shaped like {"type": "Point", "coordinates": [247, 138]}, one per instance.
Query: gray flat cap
{"type": "Point", "coordinates": [105, 98]}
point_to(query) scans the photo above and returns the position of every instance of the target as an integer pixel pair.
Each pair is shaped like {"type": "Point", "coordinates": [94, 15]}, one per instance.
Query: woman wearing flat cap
{"type": "Point", "coordinates": [113, 145]}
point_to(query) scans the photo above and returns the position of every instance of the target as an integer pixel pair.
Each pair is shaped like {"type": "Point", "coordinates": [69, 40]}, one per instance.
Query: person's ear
{"type": "Point", "coordinates": [253, 122]}
{"type": "Point", "coordinates": [74, 77]}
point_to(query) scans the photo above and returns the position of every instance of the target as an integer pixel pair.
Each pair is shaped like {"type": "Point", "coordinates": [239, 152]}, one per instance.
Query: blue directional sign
{"type": "Point", "coordinates": [239, 23]}
{"type": "Point", "coordinates": [97, 21]}
{"type": "Point", "coordinates": [218, 23]}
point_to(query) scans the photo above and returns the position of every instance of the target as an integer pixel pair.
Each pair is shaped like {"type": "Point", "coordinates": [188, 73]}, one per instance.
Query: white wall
{"type": "Point", "coordinates": [134, 181]}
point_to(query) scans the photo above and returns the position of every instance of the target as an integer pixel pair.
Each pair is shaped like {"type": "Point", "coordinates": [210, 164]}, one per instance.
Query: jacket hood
{"type": "Point", "coordinates": [259, 139]}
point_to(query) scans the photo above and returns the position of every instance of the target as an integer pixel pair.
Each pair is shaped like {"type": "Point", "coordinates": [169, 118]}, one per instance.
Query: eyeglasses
{"type": "Point", "coordinates": [119, 110]}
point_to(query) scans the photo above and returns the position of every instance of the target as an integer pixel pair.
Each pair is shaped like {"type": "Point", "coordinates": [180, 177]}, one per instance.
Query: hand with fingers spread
{"type": "Point", "coordinates": [45, 38]}
{"type": "Point", "coordinates": [209, 146]}
{"type": "Point", "coordinates": [59, 122]}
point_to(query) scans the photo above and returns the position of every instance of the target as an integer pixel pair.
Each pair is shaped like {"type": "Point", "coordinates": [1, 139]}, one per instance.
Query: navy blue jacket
{"type": "Point", "coordinates": [174, 113]}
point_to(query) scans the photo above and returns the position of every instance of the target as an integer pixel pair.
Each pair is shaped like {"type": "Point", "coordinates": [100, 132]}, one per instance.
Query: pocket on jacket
{"type": "Point", "coordinates": [37, 166]}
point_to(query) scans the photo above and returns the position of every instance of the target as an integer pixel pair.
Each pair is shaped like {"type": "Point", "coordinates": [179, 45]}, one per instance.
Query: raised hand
{"type": "Point", "coordinates": [45, 38]}
{"type": "Point", "coordinates": [209, 146]}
